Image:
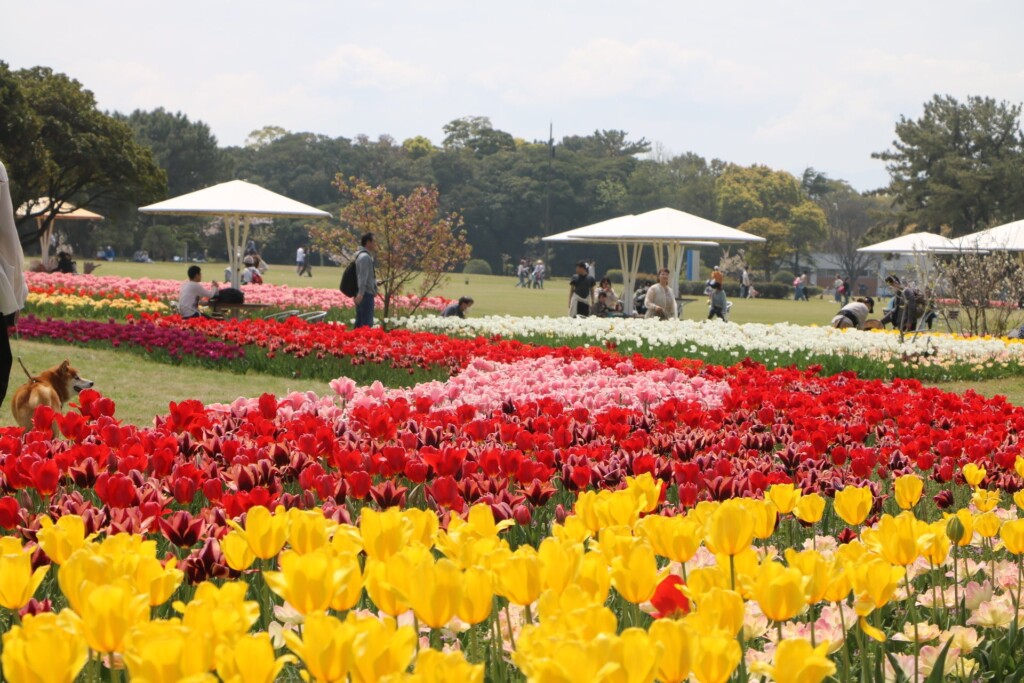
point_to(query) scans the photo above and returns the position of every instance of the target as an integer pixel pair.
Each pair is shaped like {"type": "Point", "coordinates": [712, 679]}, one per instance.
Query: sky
{"type": "Point", "coordinates": [787, 84]}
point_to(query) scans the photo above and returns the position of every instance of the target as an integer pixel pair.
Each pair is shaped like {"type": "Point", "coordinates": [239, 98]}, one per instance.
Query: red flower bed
{"type": "Point", "coordinates": [199, 466]}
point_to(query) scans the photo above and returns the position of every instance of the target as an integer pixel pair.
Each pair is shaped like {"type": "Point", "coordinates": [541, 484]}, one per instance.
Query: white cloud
{"type": "Point", "coordinates": [371, 67]}
{"type": "Point", "coordinates": [605, 68]}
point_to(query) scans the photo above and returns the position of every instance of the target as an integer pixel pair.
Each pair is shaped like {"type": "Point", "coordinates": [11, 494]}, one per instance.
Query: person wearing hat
{"type": "Point", "coordinates": [539, 271]}
{"type": "Point", "coordinates": [854, 314]}
{"type": "Point", "coordinates": [581, 291]}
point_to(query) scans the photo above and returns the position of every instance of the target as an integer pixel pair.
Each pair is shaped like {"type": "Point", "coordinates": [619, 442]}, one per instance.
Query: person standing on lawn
{"type": "Point", "coordinates": [13, 290]}
{"type": "Point", "coordinates": [367, 277]}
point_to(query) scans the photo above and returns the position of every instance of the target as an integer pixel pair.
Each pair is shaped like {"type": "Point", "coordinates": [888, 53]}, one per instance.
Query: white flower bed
{"type": "Point", "coordinates": [780, 338]}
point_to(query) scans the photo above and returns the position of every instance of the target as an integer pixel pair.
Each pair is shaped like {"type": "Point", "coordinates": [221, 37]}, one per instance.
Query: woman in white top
{"type": "Point", "coordinates": [13, 289]}
{"type": "Point", "coordinates": [660, 301]}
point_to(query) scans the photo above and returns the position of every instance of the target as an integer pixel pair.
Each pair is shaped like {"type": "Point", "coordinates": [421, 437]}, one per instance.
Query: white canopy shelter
{"type": "Point", "coordinates": [47, 212]}
{"type": "Point", "coordinates": [1006, 237]}
{"type": "Point", "coordinates": [237, 202]}
{"type": "Point", "coordinates": [914, 243]}
{"type": "Point", "coordinates": [669, 231]}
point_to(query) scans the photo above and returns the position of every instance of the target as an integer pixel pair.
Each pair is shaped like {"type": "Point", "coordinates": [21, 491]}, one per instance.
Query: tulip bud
{"type": "Point", "coordinates": [955, 529]}
{"type": "Point", "coordinates": [522, 515]}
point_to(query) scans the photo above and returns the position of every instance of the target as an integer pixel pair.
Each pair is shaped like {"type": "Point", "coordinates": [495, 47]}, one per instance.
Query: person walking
{"type": "Point", "coordinates": [367, 277]}
{"type": "Point", "coordinates": [744, 283]}
{"type": "Point", "coordinates": [13, 290]}
{"type": "Point", "coordinates": [719, 303]}
{"type": "Point", "coordinates": [302, 262]}
{"type": "Point", "coordinates": [838, 287]}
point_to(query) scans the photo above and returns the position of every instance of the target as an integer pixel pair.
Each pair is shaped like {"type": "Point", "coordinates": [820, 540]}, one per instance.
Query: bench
{"type": "Point", "coordinates": [219, 309]}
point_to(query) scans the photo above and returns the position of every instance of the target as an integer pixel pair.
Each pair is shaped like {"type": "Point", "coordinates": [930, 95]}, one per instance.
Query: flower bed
{"type": "Point", "coordinates": [936, 357]}
{"type": "Point", "coordinates": [278, 296]}
{"type": "Point", "coordinates": [555, 517]}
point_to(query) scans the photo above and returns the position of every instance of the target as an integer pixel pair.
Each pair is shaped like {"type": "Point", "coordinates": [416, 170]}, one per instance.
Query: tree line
{"type": "Point", "coordinates": [957, 168]}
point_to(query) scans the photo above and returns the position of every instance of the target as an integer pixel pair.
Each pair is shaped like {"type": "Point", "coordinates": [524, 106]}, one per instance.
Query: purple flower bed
{"type": "Point", "coordinates": [177, 343]}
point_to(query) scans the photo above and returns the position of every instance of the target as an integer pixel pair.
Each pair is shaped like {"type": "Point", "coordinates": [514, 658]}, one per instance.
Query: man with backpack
{"type": "Point", "coordinates": [366, 278]}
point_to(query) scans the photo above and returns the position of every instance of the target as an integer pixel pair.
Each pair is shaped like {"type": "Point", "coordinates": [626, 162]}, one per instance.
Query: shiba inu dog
{"type": "Point", "coordinates": [53, 387]}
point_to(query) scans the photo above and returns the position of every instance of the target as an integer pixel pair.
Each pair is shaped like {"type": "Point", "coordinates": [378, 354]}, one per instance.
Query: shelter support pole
{"type": "Point", "coordinates": [675, 261]}
{"type": "Point", "coordinates": [629, 285]}
{"type": "Point", "coordinates": [229, 229]}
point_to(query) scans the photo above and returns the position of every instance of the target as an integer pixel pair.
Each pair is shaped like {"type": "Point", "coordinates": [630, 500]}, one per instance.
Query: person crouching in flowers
{"type": "Point", "coordinates": [854, 314]}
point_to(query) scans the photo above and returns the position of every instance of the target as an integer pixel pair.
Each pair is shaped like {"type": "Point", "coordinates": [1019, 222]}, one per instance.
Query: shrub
{"type": "Point", "coordinates": [477, 266]}
{"type": "Point", "coordinates": [785, 277]}
{"type": "Point", "coordinates": [615, 275]}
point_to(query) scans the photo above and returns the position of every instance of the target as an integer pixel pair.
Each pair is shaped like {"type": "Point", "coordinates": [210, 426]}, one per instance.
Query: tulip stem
{"type": "Point", "coordinates": [472, 655]}
{"type": "Point", "coordinates": [846, 643]}
{"type": "Point", "coordinates": [912, 610]}
{"type": "Point", "coordinates": [956, 581]}
{"type": "Point", "coordinates": [508, 620]}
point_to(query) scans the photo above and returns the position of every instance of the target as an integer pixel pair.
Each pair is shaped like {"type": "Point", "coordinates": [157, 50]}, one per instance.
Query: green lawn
{"type": "Point", "coordinates": [496, 295]}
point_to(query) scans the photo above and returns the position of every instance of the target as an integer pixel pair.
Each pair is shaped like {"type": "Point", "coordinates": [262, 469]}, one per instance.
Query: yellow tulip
{"type": "Point", "coordinates": [594, 578]}
{"type": "Point", "coordinates": [635, 575]}
{"type": "Point", "coordinates": [987, 524]}
{"type": "Point", "coordinates": [718, 610]}
{"type": "Point", "coordinates": [424, 526]}
{"type": "Point", "coordinates": [442, 667]}
{"type": "Point", "coordinates": [348, 592]}
{"type": "Point", "coordinates": [640, 656]}
{"type": "Point", "coordinates": [477, 596]}
{"type": "Point", "coordinates": [815, 569]}
{"type": "Point", "coordinates": [18, 582]}
{"type": "Point", "coordinates": [853, 504]}
{"type": "Point", "coordinates": [785, 497]}
{"type": "Point", "coordinates": [935, 545]}
{"type": "Point", "coordinates": [250, 660]}
{"type": "Point", "coordinates": [731, 528]}
{"type": "Point", "coordinates": [237, 552]}
{"type": "Point", "coordinates": [984, 500]}
{"type": "Point", "coordinates": [899, 537]}
{"type": "Point", "coordinates": [702, 579]}
{"type": "Point", "coordinates": [909, 488]}
{"type": "Point", "coordinates": [646, 489]}
{"type": "Point", "coordinates": [1018, 465]}
{"type": "Point", "coordinates": [307, 530]}
{"type": "Point", "coordinates": [795, 661]}
{"type": "Point", "coordinates": [110, 612]}
{"type": "Point", "coordinates": [379, 588]}
{"type": "Point", "coordinates": [347, 539]}
{"type": "Point", "coordinates": [779, 591]}
{"type": "Point", "coordinates": [973, 474]}
{"type": "Point", "coordinates": [436, 593]}
{"type": "Point", "coordinates": [157, 581]}
{"type": "Point", "coordinates": [46, 648]}
{"type": "Point", "coordinates": [220, 612]}
{"type": "Point", "coordinates": [1012, 535]}
{"type": "Point", "coordinates": [810, 508]}
{"type": "Point", "coordinates": [678, 643]}
{"type": "Point", "coordinates": [960, 527]}
{"type": "Point", "coordinates": [560, 562]}
{"type": "Point", "coordinates": [167, 652]}
{"type": "Point", "coordinates": [716, 658]}
{"type": "Point", "coordinates": [384, 533]}
{"type": "Point", "coordinates": [326, 646]}
{"type": "Point", "coordinates": [874, 581]}
{"type": "Point", "coordinates": [839, 585]}
{"type": "Point", "coordinates": [308, 582]}
{"type": "Point", "coordinates": [519, 578]}
{"type": "Point", "coordinates": [59, 540]}
{"type": "Point", "coordinates": [266, 533]}
{"type": "Point", "coordinates": [674, 538]}
{"type": "Point", "coordinates": [380, 649]}
{"type": "Point", "coordinates": [765, 516]}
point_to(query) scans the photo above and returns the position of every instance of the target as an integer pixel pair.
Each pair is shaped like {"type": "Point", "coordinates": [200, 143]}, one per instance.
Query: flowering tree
{"type": "Point", "coordinates": [989, 287]}
{"type": "Point", "coordinates": [416, 246]}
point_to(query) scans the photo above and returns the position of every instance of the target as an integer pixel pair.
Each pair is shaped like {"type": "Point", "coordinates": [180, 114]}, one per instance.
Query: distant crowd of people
{"type": "Point", "coordinates": [531, 275]}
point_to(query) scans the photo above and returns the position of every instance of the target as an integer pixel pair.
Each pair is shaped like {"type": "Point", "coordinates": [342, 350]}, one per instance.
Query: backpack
{"type": "Point", "coordinates": [228, 295]}
{"type": "Point", "coordinates": [257, 279]}
{"type": "Point", "coordinates": [349, 279]}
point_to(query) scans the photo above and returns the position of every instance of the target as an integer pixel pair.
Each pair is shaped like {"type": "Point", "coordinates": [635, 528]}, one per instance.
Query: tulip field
{"type": "Point", "coordinates": [515, 500]}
